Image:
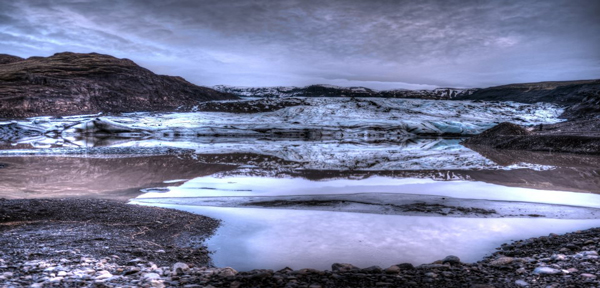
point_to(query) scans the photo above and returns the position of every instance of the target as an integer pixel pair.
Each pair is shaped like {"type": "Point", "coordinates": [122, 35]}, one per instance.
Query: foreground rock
{"type": "Point", "coordinates": [569, 260]}
{"type": "Point", "coordinates": [54, 230]}
{"type": "Point", "coordinates": [73, 83]}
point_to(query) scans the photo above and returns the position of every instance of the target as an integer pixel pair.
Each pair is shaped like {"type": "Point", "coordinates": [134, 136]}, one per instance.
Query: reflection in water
{"type": "Point", "coordinates": [111, 178]}
{"type": "Point", "coordinates": [273, 239]}
{"type": "Point", "coordinates": [253, 238]}
{"type": "Point", "coordinates": [210, 186]}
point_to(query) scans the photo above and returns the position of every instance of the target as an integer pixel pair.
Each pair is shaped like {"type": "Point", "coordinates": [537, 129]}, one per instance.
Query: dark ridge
{"type": "Point", "coordinates": [587, 108]}
{"type": "Point", "coordinates": [565, 93]}
{"type": "Point", "coordinates": [492, 135]}
{"type": "Point", "coordinates": [74, 83]}
{"type": "Point", "coordinates": [7, 59]}
{"type": "Point", "coordinates": [514, 137]}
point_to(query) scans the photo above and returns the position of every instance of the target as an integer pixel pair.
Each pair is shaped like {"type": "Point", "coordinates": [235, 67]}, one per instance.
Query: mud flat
{"type": "Point", "coordinates": [106, 176]}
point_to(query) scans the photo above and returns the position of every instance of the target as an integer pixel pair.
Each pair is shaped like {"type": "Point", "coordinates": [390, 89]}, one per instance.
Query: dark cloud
{"type": "Point", "coordinates": [375, 43]}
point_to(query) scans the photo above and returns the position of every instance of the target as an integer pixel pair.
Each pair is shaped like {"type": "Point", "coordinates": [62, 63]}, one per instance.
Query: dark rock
{"type": "Point", "coordinates": [285, 270]}
{"type": "Point", "coordinates": [372, 269]}
{"type": "Point", "coordinates": [392, 269]}
{"type": "Point", "coordinates": [343, 267]}
{"type": "Point", "coordinates": [405, 266]}
{"type": "Point", "coordinates": [73, 83]}
{"type": "Point", "coordinates": [261, 273]}
{"type": "Point", "coordinates": [133, 270]}
{"type": "Point", "coordinates": [452, 260]}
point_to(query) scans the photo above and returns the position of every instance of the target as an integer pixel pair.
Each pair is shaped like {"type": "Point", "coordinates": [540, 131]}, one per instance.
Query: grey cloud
{"type": "Point", "coordinates": [261, 42]}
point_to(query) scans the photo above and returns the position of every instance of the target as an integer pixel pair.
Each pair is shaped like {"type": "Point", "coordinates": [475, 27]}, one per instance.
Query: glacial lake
{"type": "Point", "coordinates": [337, 180]}
{"type": "Point", "coordinates": [317, 228]}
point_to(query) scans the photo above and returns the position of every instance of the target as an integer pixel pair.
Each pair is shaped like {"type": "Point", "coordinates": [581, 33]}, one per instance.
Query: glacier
{"type": "Point", "coordinates": [360, 119]}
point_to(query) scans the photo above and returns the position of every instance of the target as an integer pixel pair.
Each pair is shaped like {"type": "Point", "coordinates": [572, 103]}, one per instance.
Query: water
{"type": "Point", "coordinates": [315, 236]}
{"type": "Point", "coordinates": [238, 186]}
{"type": "Point", "coordinates": [273, 238]}
{"type": "Point", "coordinates": [359, 187]}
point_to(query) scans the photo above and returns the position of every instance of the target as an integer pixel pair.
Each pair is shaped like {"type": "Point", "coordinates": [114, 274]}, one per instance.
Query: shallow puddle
{"type": "Point", "coordinates": [315, 237]}
{"type": "Point", "coordinates": [273, 239]}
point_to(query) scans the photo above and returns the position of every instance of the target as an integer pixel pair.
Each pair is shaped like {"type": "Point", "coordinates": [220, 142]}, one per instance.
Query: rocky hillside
{"type": "Point", "coordinates": [336, 91]}
{"type": "Point", "coordinates": [72, 83]}
{"type": "Point", "coordinates": [580, 137]}
{"type": "Point", "coordinates": [560, 92]}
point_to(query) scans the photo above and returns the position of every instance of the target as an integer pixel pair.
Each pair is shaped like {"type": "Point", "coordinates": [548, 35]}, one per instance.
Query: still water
{"type": "Point", "coordinates": [273, 239]}
{"type": "Point", "coordinates": [300, 237]}
{"type": "Point", "coordinates": [308, 204]}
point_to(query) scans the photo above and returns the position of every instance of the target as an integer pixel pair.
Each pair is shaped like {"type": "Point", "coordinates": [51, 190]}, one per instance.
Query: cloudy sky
{"type": "Point", "coordinates": [374, 43]}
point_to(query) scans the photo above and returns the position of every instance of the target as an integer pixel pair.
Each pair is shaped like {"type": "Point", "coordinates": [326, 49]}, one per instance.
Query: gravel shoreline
{"type": "Point", "coordinates": [99, 243]}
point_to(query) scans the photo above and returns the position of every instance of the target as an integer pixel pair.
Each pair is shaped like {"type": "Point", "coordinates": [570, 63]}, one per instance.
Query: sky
{"type": "Point", "coordinates": [380, 44]}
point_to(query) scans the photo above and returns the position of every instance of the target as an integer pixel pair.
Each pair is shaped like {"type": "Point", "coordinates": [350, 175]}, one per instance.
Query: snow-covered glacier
{"type": "Point", "coordinates": [344, 119]}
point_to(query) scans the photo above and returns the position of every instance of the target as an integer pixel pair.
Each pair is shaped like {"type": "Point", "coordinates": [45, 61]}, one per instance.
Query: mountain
{"type": "Point", "coordinates": [74, 83]}
{"type": "Point", "coordinates": [581, 98]}
{"type": "Point", "coordinates": [558, 92]}
{"type": "Point", "coordinates": [336, 91]}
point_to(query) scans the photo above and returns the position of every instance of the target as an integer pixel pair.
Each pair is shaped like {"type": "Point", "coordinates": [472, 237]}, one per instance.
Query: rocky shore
{"type": "Point", "coordinates": [52, 229]}
{"type": "Point", "coordinates": [98, 243]}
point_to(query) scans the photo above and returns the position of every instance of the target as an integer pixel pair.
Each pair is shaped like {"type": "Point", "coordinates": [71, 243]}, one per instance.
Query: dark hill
{"type": "Point", "coordinates": [6, 59]}
{"type": "Point", "coordinates": [565, 137]}
{"type": "Point", "coordinates": [73, 83]}
{"type": "Point", "coordinates": [561, 92]}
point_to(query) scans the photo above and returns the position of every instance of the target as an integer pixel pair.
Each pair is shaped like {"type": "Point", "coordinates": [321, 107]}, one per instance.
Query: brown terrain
{"type": "Point", "coordinates": [572, 138]}
{"type": "Point", "coordinates": [73, 83]}
{"type": "Point", "coordinates": [560, 92]}
{"type": "Point", "coordinates": [119, 178]}
{"type": "Point", "coordinates": [579, 134]}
